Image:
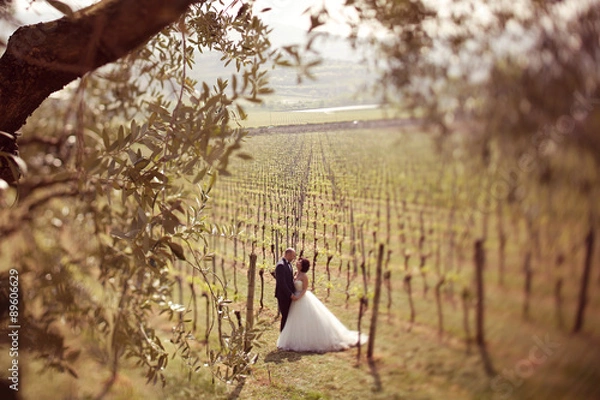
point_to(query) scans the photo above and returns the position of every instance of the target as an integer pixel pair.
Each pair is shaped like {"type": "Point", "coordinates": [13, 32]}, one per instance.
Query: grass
{"type": "Point", "coordinates": [419, 364]}
{"type": "Point", "coordinates": [402, 367]}
{"type": "Point", "coordinates": [533, 358]}
{"type": "Point", "coordinates": [258, 118]}
{"type": "Point", "coordinates": [415, 365]}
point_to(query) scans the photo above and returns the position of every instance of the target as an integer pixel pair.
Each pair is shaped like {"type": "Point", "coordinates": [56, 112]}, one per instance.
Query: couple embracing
{"type": "Point", "coordinates": [306, 324]}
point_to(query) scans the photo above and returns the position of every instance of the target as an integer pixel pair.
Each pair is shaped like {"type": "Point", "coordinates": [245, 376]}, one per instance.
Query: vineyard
{"type": "Point", "coordinates": [473, 279]}
{"type": "Point", "coordinates": [437, 164]}
{"type": "Point", "coordinates": [409, 235]}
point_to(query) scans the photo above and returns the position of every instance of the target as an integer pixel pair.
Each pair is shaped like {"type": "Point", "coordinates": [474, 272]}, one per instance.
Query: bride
{"type": "Point", "coordinates": [310, 326]}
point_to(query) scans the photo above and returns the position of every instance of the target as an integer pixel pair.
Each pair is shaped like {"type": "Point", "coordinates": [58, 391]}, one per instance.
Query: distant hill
{"type": "Point", "coordinates": [340, 80]}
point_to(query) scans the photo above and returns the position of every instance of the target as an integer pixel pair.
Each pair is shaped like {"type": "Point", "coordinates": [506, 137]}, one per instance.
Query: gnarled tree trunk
{"type": "Point", "coordinates": [42, 58]}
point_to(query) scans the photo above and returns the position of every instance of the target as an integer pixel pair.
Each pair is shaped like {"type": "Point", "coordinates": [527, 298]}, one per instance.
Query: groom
{"type": "Point", "coordinates": [284, 284]}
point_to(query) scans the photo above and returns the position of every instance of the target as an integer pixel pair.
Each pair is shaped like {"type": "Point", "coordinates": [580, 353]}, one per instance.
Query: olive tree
{"type": "Point", "coordinates": [523, 75]}
{"type": "Point", "coordinates": [516, 85]}
{"type": "Point", "coordinates": [103, 199]}
{"type": "Point", "coordinates": [103, 185]}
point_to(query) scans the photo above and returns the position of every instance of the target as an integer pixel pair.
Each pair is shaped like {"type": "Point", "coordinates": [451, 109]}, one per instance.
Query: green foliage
{"type": "Point", "coordinates": [111, 214]}
{"type": "Point", "coordinates": [110, 219]}
{"type": "Point", "coordinates": [523, 78]}
{"type": "Point", "coordinates": [429, 197]}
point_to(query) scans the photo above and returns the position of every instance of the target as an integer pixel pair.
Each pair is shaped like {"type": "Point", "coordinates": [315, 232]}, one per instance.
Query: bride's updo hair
{"type": "Point", "coordinates": [304, 264]}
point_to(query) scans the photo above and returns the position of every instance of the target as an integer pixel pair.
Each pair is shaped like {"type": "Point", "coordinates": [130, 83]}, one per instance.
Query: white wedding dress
{"type": "Point", "coordinates": [311, 327]}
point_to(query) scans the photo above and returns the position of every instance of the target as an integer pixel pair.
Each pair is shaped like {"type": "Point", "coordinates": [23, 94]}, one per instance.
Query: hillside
{"type": "Point", "coordinates": [341, 79]}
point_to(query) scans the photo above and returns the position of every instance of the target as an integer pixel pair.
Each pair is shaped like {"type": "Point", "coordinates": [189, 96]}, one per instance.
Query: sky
{"type": "Point", "coordinates": [287, 18]}
{"type": "Point", "coordinates": [40, 10]}
{"type": "Point", "coordinates": [292, 12]}
{"type": "Point", "coordinates": [285, 12]}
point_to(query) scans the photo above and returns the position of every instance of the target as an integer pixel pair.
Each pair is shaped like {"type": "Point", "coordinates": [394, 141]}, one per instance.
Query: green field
{"type": "Point", "coordinates": [336, 195]}
{"type": "Point", "coordinates": [259, 118]}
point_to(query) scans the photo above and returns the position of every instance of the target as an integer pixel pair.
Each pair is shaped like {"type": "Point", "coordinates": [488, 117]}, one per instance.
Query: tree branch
{"type": "Point", "coordinates": [25, 213]}
{"type": "Point", "coordinates": [41, 59]}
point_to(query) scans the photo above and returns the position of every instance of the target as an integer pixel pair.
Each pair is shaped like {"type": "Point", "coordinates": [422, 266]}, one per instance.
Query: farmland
{"type": "Point", "coordinates": [338, 195]}
{"type": "Point", "coordinates": [341, 191]}
{"type": "Point", "coordinates": [144, 207]}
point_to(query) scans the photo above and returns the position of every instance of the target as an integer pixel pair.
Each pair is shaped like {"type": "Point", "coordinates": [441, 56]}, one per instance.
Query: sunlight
{"type": "Point", "coordinates": [291, 17]}
{"type": "Point", "coordinates": [40, 11]}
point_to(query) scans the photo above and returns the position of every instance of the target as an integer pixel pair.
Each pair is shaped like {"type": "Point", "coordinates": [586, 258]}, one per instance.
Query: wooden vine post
{"type": "Point", "coordinates": [479, 336]}
{"type": "Point", "coordinates": [438, 301]}
{"type": "Point", "coordinates": [195, 307]}
{"type": "Point", "coordinates": [423, 255]}
{"type": "Point", "coordinates": [235, 242]}
{"type": "Point", "coordinates": [214, 260]}
{"type": "Point", "coordinates": [407, 286]}
{"type": "Point", "coordinates": [376, 298]}
{"type": "Point", "coordinates": [207, 322]}
{"type": "Point", "coordinates": [501, 246]}
{"type": "Point", "coordinates": [328, 271]}
{"type": "Point", "coordinates": [250, 302]}
{"type": "Point", "coordinates": [387, 280]}
{"type": "Point", "coordinates": [558, 300]}
{"type": "Point", "coordinates": [347, 283]}
{"type": "Point", "coordinates": [362, 307]}
{"type": "Point", "coordinates": [314, 268]}
{"type": "Point", "coordinates": [179, 279]}
{"type": "Point", "coordinates": [585, 278]}
{"type": "Point", "coordinates": [527, 289]}
{"type": "Point", "coordinates": [261, 273]}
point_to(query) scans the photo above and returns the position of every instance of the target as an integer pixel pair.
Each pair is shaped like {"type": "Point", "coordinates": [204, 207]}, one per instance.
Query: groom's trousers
{"type": "Point", "coordinates": [284, 308]}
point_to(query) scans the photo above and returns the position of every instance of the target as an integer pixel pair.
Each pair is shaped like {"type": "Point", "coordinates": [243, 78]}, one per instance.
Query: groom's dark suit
{"type": "Point", "coordinates": [284, 288]}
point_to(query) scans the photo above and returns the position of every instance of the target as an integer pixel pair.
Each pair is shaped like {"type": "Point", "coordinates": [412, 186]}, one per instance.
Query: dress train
{"type": "Point", "coordinates": [311, 327]}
